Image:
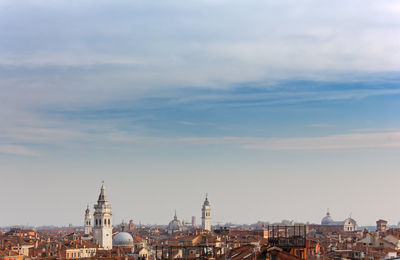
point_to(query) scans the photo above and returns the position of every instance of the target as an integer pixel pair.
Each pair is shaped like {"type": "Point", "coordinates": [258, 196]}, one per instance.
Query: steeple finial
{"type": "Point", "coordinates": [102, 196]}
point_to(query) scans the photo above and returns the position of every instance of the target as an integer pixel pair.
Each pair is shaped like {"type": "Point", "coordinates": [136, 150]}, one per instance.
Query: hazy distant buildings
{"type": "Point", "coordinates": [329, 225]}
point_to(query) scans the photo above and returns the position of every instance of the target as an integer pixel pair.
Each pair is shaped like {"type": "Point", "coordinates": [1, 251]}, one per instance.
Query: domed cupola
{"type": "Point", "coordinates": [122, 239]}
{"type": "Point", "coordinates": [175, 225]}
{"type": "Point", "coordinates": [327, 219]}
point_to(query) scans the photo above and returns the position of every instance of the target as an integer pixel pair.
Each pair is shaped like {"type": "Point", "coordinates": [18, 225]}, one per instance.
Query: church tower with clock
{"type": "Point", "coordinates": [206, 215]}
{"type": "Point", "coordinates": [102, 218]}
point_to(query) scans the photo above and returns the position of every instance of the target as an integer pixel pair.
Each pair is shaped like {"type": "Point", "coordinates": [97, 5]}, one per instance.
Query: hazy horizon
{"type": "Point", "coordinates": [277, 110]}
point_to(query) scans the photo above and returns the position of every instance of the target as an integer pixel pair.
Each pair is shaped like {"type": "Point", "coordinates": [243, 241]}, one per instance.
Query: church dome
{"type": "Point", "coordinates": [327, 219]}
{"type": "Point", "coordinates": [123, 239]}
{"type": "Point", "coordinates": [174, 225]}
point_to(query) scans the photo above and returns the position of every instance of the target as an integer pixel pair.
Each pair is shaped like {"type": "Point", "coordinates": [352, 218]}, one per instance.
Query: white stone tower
{"type": "Point", "coordinates": [102, 231]}
{"type": "Point", "coordinates": [206, 215]}
{"type": "Point", "coordinates": [88, 221]}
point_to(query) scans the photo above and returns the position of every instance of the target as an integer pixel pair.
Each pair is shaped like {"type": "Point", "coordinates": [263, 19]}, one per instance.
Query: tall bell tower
{"type": "Point", "coordinates": [102, 231]}
{"type": "Point", "coordinates": [88, 221]}
{"type": "Point", "coordinates": [206, 215]}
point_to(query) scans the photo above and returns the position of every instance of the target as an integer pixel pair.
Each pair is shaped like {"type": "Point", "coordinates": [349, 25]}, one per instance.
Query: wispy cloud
{"type": "Point", "coordinates": [332, 142]}
{"type": "Point", "coordinates": [186, 123]}
{"type": "Point", "coordinates": [17, 150]}
{"type": "Point", "coordinates": [127, 45]}
{"type": "Point", "coordinates": [376, 129]}
{"type": "Point", "coordinates": [321, 125]}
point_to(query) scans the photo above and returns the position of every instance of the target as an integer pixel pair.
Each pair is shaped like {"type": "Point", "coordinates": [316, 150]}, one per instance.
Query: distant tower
{"type": "Point", "coordinates": [88, 221]}
{"type": "Point", "coordinates": [206, 215]}
{"type": "Point", "coordinates": [381, 225]}
{"type": "Point", "coordinates": [102, 231]}
{"type": "Point", "coordinates": [194, 223]}
{"type": "Point", "coordinates": [131, 225]}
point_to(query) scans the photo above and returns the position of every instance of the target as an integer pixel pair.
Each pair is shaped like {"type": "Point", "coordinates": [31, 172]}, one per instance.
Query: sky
{"type": "Point", "coordinates": [276, 109]}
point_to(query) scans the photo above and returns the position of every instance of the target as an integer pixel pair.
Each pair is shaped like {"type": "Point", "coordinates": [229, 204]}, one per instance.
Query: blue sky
{"type": "Point", "coordinates": [166, 101]}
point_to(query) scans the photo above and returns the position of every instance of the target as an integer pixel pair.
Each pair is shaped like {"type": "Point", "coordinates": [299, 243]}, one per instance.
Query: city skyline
{"type": "Point", "coordinates": [104, 195]}
{"type": "Point", "coordinates": [276, 110]}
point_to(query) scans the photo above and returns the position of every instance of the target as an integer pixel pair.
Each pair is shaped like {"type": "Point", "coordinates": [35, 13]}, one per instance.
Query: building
{"type": "Point", "coordinates": [381, 225]}
{"type": "Point", "coordinates": [123, 239]}
{"type": "Point", "coordinates": [10, 255]}
{"type": "Point", "coordinates": [194, 222]}
{"type": "Point", "coordinates": [102, 231]}
{"type": "Point", "coordinates": [348, 224]}
{"type": "Point", "coordinates": [131, 226]}
{"type": "Point", "coordinates": [88, 221]}
{"type": "Point", "coordinates": [375, 240]}
{"type": "Point", "coordinates": [175, 225]}
{"type": "Point", "coordinates": [206, 215]}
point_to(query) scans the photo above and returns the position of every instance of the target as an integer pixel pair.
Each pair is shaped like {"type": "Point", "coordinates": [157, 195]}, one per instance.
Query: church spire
{"type": "Point", "coordinates": [102, 196]}
{"type": "Point", "coordinates": [102, 231]}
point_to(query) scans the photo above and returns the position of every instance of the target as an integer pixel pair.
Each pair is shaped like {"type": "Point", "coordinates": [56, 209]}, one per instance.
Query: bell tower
{"type": "Point", "coordinates": [206, 215]}
{"type": "Point", "coordinates": [102, 231]}
{"type": "Point", "coordinates": [88, 221]}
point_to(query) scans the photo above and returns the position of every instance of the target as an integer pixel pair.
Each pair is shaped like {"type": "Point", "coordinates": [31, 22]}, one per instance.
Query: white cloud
{"type": "Point", "coordinates": [210, 43]}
